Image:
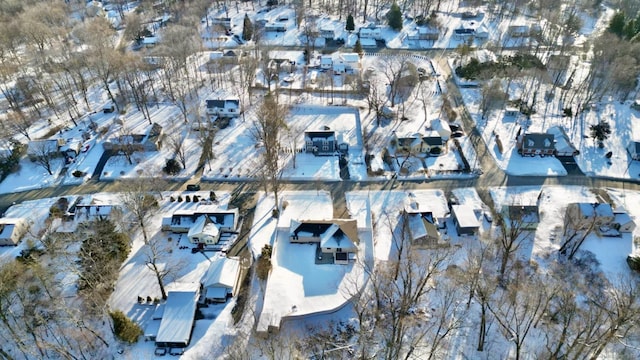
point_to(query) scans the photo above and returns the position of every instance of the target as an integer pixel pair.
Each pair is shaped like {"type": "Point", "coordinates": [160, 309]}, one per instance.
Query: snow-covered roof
{"type": "Point", "coordinates": [223, 272]}
{"type": "Point", "coordinates": [420, 226]}
{"type": "Point", "coordinates": [334, 237]}
{"type": "Point", "coordinates": [595, 209]}
{"type": "Point", "coordinates": [179, 315]}
{"type": "Point", "coordinates": [465, 216]}
{"type": "Point", "coordinates": [350, 57]}
{"type": "Point", "coordinates": [203, 226]}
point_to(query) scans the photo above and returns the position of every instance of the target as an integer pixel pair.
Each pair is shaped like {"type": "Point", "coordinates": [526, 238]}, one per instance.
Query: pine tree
{"type": "Point", "coordinates": [350, 24]}
{"type": "Point", "coordinates": [617, 23]}
{"type": "Point", "coordinates": [394, 17]}
{"type": "Point", "coordinates": [247, 29]}
{"type": "Point", "coordinates": [358, 48]}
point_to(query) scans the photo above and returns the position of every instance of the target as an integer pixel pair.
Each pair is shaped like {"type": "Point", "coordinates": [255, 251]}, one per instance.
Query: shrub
{"type": "Point", "coordinates": [78, 173]}
{"type": "Point", "coordinates": [179, 198]}
{"type": "Point", "coordinates": [196, 198]}
{"type": "Point", "coordinates": [187, 198]}
{"type": "Point", "coordinates": [124, 328]}
{"type": "Point", "coordinates": [172, 199]}
{"type": "Point", "coordinates": [172, 167]}
{"type": "Point", "coordinates": [59, 208]}
{"type": "Point", "coordinates": [263, 267]}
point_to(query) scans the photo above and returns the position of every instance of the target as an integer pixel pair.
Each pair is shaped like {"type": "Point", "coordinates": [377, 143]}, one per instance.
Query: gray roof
{"type": "Point", "coordinates": [537, 141]}
{"type": "Point", "coordinates": [222, 272]}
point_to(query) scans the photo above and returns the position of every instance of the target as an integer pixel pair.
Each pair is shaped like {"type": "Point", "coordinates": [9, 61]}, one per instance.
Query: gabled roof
{"type": "Point", "coordinates": [422, 225]}
{"type": "Point", "coordinates": [222, 272]}
{"type": "Point", "coordinates": [537, 141]}
{"type": "Point", "coordinates": [465, 216]}
{"type": "Point", "coordinates": [334, 237]}
{"type": "Point", "coordinates": [321, 227]}
{"type": "Point", "coordinates": [635, 145]}
{"type": "Point", "coordinates": [432, 140]}
{"type": "Point", "coordinates": [595, 209]}
{"type": "Point", "coordinates": [323, 134]}
{"type": "Point", "coordinates": [203, 225]}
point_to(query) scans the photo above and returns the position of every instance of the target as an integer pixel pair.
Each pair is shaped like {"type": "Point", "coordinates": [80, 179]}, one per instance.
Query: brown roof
{"type": "Point", "coordinates": [348, 226]}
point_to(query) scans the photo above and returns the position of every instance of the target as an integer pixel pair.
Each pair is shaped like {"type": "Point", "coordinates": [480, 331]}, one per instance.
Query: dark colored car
{"type": "Point", "coordinates": [193, 187]}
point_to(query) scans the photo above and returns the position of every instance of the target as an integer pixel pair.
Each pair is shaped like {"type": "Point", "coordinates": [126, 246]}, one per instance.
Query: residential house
{"type": "Point", "coordinates": [221, 280]}
{"type": "Point", "coordinates": [634, 150]}
{"type": "Point", "coordinates": [204, 230]}
{"type": "Point", "coordinates": [562, 144]}
{"type": "Point", "coordinates": [589, 216]}
{"type": "Point", "coordinates": [323, 142]}
{"type": "Point", "coordinates": [428, 33]}
{"type": "Point", "coordinates": [536, 144]}
{"type": "Point", "coordinates": [178, 319]}
{"type": "Point", "coordinates": [221, 21]}
{"type": "Point", "coordinates": [518, 30]}
{"type": "Point", "coordinates": [623, 221]}
{"type": "Point", "coordinates": [93, 212]}
{"type": "Point", "coordinates": [369, 33]}
{"type": "Point", "coordinates": [149, 141]}
{"type": "Point", "coordinates": [511, 111]}
{"type": "Point", "coordinates": [417, 143]}
{"type": "Point", "coordinates": [276, 27]}
{"type": "Point", "coordinates": [422, 229]}
{"type": "Point", "coordinates": [464, 33]}
{"type": "Point", "coordinates": [337, 238]}
{"type": "Point", "coordinates": [221, 104]}
{"type": "Point", "coordinates": [328, 31]}
{"type": "Point", "coordinates": [12, 230]}
{"type": "Point", "coordinates": [351, 61]}
{"type": "Point", "coordinates": [182, 221]}
{"type": "Point", "coordinates": [326, 62]}
{"type": "Point", "coordinates": [442, 128]}
{"type": "Point", "coordinates": [44, 147]}
{"type": "Point", "coordinates": [465, 219]}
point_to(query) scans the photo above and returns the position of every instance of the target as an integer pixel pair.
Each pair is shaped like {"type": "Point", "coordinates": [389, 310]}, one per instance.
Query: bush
{"type": "Point", "coordinates": [196, 198]}
{"type": "Point", "coordinates": [59, 208]}
{"type": "Point", "coordinates": [263, 267]}
{"type": "Point", "coordinates": [78, 173]}
{"type": "Point", "coordinates": [124, 328]}
{"type": "Point", "coordinates": [172, 199]}
{"type": "Point", "coordinates": [179, 198]}
{"type": "Point", "coordinates": [187, 198]}
{"type": "Point", "coordinates": [172, 167]}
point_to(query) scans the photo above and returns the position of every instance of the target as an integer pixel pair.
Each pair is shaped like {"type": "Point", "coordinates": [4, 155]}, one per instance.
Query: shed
{"type": "Point", "coordinates": [12, 230]}
{"type": "Point", "coordinates": [178, 319]}
{"type": "Point", "coordinates": [465, 219]}
{"type": "Point", "coordinates": [423, 229]}
{"type": "Point", "coordinates": [221, 280]}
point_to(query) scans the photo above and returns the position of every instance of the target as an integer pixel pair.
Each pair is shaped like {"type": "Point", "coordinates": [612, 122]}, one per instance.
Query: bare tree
{"type": "Point", "coordinates": [176, 142]}
{"type": "Point", "coordinates": [267, 130]}
{"type": "Point", "coordinates": [513, 233]}
{"type": "Point", "coordinates": [137, 198]}
{"type": "Point", "coordinates": [156, 258]}
{"type": "Point", "coordinates": [493, 97]}
{"type": "Point", "coordinates": [44, 152]}
{"type": "Point", "coordinates": [393, 70]}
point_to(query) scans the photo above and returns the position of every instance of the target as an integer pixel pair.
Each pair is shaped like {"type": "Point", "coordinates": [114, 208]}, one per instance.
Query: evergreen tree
{"type": "Point", "coordinates": [247, 28]}
{"type": "Point", "coordinates": [350, 24]}
{"type": "Point", "coordinates": [394, 17]}
{"type": "Point", "coordinates": [358, 48]}
{"type": "Point", "coordinates": [617, 23]}
{"type": "Point", "coordinates": [630, 29]}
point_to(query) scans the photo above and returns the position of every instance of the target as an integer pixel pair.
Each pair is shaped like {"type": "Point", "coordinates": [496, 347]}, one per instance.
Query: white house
{"type": "Point", "coordinates": [442, 128]}
{"type": "Point", "coordinates": [221, 104]}
{"type": "Point", "coordinates": [204, 231]}
{"type": "Point", "coordinates": [183, 220]}
{"type": "Point", "coordinates": [221, 280]}
{"type": "Point", "coordinates": [351, 61]}
{"type": "Point", "coordinates": [370, 33]}
{"type": "Point", "coordinates": [326, 62]}
{"type": "Point", "coordinates": [12, 230]}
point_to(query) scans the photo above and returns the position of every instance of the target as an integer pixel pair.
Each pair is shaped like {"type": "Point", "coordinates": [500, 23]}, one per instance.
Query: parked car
{"type": "Point", "coordinates": [109, 109]}
{"type": "Point", "coordinates": [193, 187]}
{"type": "Point", "coordinates": [488, 217]}
{"type": "Point", "coordinates": [457, 134]}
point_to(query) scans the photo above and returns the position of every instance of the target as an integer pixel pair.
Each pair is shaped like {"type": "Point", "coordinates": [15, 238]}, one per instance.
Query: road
{"type": "Point", "coordinates": [492, 175]}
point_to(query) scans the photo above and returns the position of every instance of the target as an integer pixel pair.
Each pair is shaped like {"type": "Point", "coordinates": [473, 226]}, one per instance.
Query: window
{"type": "Point", "coordinates": [325, 147]}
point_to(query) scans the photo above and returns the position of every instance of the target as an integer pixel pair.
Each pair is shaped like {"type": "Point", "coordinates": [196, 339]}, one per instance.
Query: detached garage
{"type": "Point", "coordinates": [221, 280]}
{"type": "Point", "coordinates": [178, 319]}
{"type": "Point", "coordinates": [12, 230]}
{"type": "Point", "coordinates": [465, 219]}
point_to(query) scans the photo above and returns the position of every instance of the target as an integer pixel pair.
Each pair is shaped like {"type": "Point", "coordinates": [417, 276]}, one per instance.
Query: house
{"type": "Point", "coordinates": [417, 143]}
{"type": "Point", "coordinates": [525, 217]}
{"type": "Point", "coordinates": [221, 21]}
{"type": "Point", "coordinates": [584, 216]}
{"type": "Point", "coordinates": [182, 221]}
{"type": "Point", "coordinates": [623, 221]}
{"type": "Point", "coordinates": [422, 229]}
{"type": "Point", "coordinates": [369, 33]}
{"type": "Point", "coordinates": [536, 144]}
{"type": "Point", "coordinates": [634, 150]}
{"type": "Point", "coordinates": [276, 27]}
{"type": "Point", "coordinates": [204, 230]}
{"type": "Point", "coordinates": [562, 143]}
{"type": "Point", "coordinates": [518, 30]}
{"type": "Point", "coordinates": [221, 280]}
{"type": "Point", "coordinates": [44, 147]}
{"type": "Point", "coordinates": [328, 31]}
{"type": "Point", "coordinates": [178, 319]}
{"type": "Point", "coordinates": [93, 212]}
{"type": "Point", "coordinates": [323, 142]}
{"type": "Point", "coordinates": [221, 104]}
{"type": "Point", "coordinates": [442, 128]}
{"type": "Point", "coordinates": [12, 230]}
{"type": "Point", "coordinates": [351, 61]}
{"type": "Point", "coordinates": [326, 62]}
{"type": "Point", "coordinates": [426, 33]}
{"type": "Point", "coordinates": [149, 141]}
{"type": "Point", "coordinates": [464, 33]}
{"type": "Point", "coordinates": [465, 219]}
{"type": "Point", "coordinates": [337, 238]}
